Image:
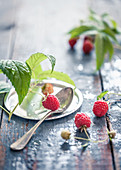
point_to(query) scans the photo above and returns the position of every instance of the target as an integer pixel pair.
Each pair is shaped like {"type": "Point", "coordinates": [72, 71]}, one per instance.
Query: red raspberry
{"type": "Point", "coordinates": [73, 41]}
{"type": "Point", "coordinates": [87, 46]}
{"type": "Point", "coordinates": [51, 103]}
{"type": "Point", "coordinates": [100, 108]}
{"type": "Point", "coordinates": [88, 38]}
{"type": "Point", "coordinates": [82, 119]}
{"type": "Point", "coordinates": [47, 88]}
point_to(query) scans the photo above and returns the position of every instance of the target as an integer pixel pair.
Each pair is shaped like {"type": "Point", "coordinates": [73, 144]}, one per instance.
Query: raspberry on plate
{"type": "Point", "coordinates": [51, 102]}
{"type": "Point", "coordinates": [100, 108]}
{"type": "Point", "coordinates": [81, 119]}
{"type": "Point", "coordinates": [87, 46]}
{"type": "Point", "coordinates": [47, 88]}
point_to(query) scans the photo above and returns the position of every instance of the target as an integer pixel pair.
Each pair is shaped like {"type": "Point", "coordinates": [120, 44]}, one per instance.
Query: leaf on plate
{"type": "Point", "coordinates": [19, 74]}
{"type": "Point", "coordinates": [4, 87]}
{"type": "Point", "coordinates": [58, 75]}
{"type": "Point", "coordinates": [35, 60]}
{"type": "Point", "coordinates": [102, 95]}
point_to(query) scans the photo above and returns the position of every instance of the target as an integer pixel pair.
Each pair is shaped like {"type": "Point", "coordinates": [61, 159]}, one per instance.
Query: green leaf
{"type": "Point", "coordinates": [102, 46]}
{"type": "Point", "coordinates": [81, 30]}
{"type": "Point", "coordinates": [19, 74]}
{"type": "Point", "coordinates": [109, 33]}
{"type": "Point", "coordinates": [95, 18]}
{"type": "Point", "coordinates": [4, 87]}
{"type": "Point", "coordinates": [102, 95]}
{"type": "Point", "coordinates": [100, 50]}
{"type": "Point", "coordinates": [109, 47]}
{"type": "Point", "coordinates": [114, 23]}
{"type": "Point", "coordinates": [35, 60]}
{"type": "Point", "coordinates": [104, 15]}
{"type": "Point", "coordinates": [58, 75]}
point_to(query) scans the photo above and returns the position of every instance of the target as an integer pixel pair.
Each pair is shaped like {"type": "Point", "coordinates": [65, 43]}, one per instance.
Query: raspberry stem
{"type": "Point", "coordinates": [32, 91]}
{"type": "Point", "coordinates": [10, 114]}
{"type": "Point", "coordinates": [94, 141]}
{"type": "Point", "coordinates": [4, 109]}
{"type": "Point", "coordinates": [76, 137]}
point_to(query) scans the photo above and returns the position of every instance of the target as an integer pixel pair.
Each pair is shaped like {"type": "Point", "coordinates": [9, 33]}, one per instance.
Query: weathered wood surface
{"type": "Point", "coordinates": [30, 26]}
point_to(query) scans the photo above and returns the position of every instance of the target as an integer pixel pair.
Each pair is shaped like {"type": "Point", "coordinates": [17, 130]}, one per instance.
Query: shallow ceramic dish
{"type": "Point", "coordinates": [31, 107]}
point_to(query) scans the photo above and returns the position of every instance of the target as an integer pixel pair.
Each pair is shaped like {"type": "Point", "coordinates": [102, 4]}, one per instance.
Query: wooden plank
{"type": "Point", "coordinates": [111, 77]}
{"type": "Point", "coordinates": [109, 81]}
{"type": "Point", "coordinates": [6, 26]}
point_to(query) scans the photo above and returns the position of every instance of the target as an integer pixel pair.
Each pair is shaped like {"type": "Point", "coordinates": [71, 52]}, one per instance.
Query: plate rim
{"type": "Point", "coordinates": [60, 83]}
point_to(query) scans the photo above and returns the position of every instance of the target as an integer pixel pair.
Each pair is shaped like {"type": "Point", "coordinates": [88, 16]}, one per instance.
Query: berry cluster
{"type": "Point", "coordinates": [100, 108]}
{"type": "Point", "coordinates": [87, 43]}
{"type": "Point", "coordinates": [83, 121]}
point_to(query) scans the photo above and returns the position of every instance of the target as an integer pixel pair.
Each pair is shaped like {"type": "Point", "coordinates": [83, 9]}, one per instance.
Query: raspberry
{"type": "Point", "coordinates": [87, 46]}
{"type": "Point", "coordinates": [82, 119]}
{"type": "Point", "coordinates": [90, 38]}
{"type": "Point", "coordinates": [47, 88]}
{"type": "Point", "coordinates": [100, 108]}
{"type": "Point", "coordinates": [73, 41]}
{"type": "Point", "coordinates": [51, 103]}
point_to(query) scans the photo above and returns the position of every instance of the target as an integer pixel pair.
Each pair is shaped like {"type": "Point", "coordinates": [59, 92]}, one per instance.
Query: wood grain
{"type": "Point", "coordinates": [41, 26]}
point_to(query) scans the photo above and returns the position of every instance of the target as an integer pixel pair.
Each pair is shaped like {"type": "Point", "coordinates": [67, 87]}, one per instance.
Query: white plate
{"type": "Point", "coordinates": [31, 107]}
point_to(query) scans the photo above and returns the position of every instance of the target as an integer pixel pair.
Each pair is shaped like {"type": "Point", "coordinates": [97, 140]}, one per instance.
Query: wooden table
{"type": "Point", "coordinates": [27, 27]}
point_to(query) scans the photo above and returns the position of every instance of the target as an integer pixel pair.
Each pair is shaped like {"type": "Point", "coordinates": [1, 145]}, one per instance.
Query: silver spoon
{"type": "Point", "coordinates": [65, 97]}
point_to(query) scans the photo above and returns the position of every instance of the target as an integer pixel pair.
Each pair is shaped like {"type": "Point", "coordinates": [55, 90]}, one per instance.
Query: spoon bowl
{"type": "Point", "coordinates": [65, 97]}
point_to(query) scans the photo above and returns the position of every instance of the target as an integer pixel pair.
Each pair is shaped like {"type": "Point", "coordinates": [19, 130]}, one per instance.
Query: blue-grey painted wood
{"type": "Point", "coordinates": [41, 26]}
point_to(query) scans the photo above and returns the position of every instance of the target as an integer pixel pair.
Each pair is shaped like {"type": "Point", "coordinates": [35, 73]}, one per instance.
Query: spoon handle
{"type": "Point", "coordinates": [21, 142]}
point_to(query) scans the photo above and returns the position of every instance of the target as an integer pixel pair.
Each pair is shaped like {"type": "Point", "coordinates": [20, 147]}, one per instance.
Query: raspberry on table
{"type": "Point", "coordinates": [51, 102]}
{"type": "Point", "coordinates": [47, 88]}
{"type": "Point", "coordinates": [87, 46]}
{"type": "Point", "coordinates": [90, 38]}
{"type": "Point", "coordinates": [100, 108]}
{"type": "Point", "coordinates": [81, 119]}
{"type": "Point", "coordinates": [73, 41]}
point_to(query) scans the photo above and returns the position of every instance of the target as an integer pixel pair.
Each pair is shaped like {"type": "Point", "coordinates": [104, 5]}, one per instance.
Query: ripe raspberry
{"type": "Point", "coordinates": [47, 88]}
{"type": "Point", "coordinates": [73, 41]}
{"type": "Point", "coordinates": [82, 119]}
{"type": "Point", "coordinates": [90, 38]}
{"type": "Point", "coordinates": [87, 46]}
{"type": "Point", "coordinates": [100, 108]}
{"type": "Point", "coordinates": [51, 103]}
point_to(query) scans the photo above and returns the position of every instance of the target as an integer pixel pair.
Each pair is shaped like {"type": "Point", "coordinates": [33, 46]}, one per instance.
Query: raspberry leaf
{"type": "Point", "coordinates": [104, 28]}
{"type": "Point", "coordinates": [109, 47]}
{"type": "Point", "coordinates": [19, 74]}
{"type": "Point", "coordinates": [99, 49]}
{"type": "Point", "coordinates": [55, 74]}
{"type": "Point", "coordinates": [110, 33]}
{"type": "Point", "coordinates": [83, 29]}
{"type": "Point", "coordinates": [102, 95]}
{"type": "Point", "coordinates": [35, 60]}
